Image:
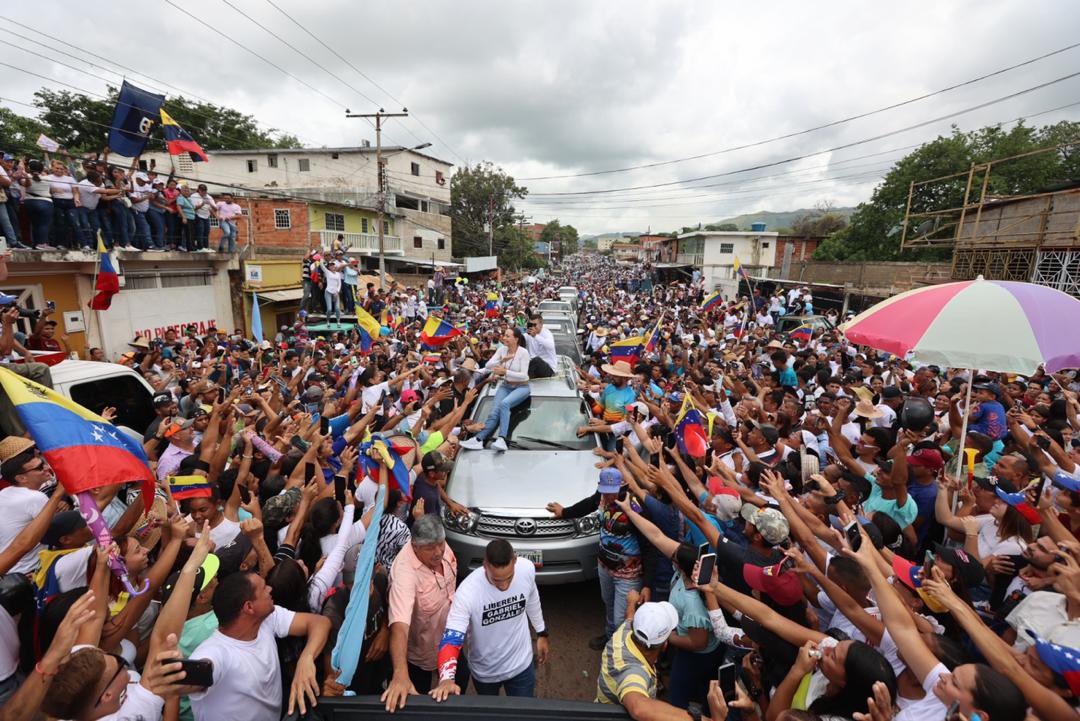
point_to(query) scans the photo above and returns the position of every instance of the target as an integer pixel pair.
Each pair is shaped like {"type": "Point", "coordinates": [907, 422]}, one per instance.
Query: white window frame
{"type": "Point", "coordinates": [253, 165]}
{"type": "Point", "coordinates": [727, 248]}
{"type": "Point", "coordinates": [271, 160]}
{"type": "Point", "coordinates": [278, 218]}
{"type": "Point", "coordinates": [334, 226]}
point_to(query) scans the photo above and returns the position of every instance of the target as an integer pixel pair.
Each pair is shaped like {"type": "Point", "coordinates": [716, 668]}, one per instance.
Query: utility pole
{"type": "Point", "coordinates": [491, 226]}
{"type": "Point", "coordinates": [380, 201]}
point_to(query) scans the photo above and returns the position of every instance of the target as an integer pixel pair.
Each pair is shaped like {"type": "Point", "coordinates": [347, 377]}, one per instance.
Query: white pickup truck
{"type": "Point", "coordinates": [96, 385]}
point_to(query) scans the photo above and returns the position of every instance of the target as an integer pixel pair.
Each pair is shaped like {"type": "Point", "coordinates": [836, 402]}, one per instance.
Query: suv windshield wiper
{"type": "Point", "coordinates": [552, 444]}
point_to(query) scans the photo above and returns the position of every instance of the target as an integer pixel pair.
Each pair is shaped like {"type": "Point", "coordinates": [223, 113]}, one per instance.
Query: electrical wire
{"type": "Point", "coordinates": [843, 146]}
{"type": "Point", "coordinates": [831, 124]}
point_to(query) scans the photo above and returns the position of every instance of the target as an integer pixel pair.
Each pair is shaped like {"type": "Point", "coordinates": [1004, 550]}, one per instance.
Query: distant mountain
{"type": "Point", "coordinates": [623, 234]}
{"type": "Point", "coordinates": [775, 220]}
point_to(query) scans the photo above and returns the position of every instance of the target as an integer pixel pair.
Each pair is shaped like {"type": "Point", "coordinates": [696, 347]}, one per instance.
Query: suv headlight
{"type": "Point", "coordinates": [465, 523]}
{"type": "Point", "coordinates": [587, 525]}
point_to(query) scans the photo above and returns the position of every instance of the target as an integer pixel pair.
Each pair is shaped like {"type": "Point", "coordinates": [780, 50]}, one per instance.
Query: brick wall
{"type": "Point", "coordinates": [803, 248]}
{"type": "Point", "coordinates": [267, 236]}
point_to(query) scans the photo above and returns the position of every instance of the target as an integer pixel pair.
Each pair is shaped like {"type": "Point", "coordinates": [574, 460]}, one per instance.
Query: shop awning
{"type": "Point", "coordinates": [281, 296]}
{"type": "Point", "coordinates": [671, 265]}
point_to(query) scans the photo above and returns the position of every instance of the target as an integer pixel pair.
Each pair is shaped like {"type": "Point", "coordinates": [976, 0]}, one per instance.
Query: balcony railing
{"type": "Point", "coordinates": [362, 242]}
{"type": "Point", "coordinates": [692, 258]}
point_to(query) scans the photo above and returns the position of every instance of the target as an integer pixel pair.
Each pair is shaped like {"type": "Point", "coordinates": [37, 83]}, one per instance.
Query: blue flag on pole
{"type": "Point", "coordinates": [256, 318]}
{"type": "Point", "coordinates": [136, 112]}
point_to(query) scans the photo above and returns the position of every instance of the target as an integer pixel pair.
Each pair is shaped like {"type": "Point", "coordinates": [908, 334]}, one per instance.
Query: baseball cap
{"type": "Point", "coordinates": [654, 621]}
{"type": "Point", "coordinates": [177, 425]}
{"type": "Point", "coordinates": [769, 522]}
{"type": "Point", "coordinates": [927, 458]}
{"type": "Point", "coordinates": [610, 481]}
{"type": "Point", "coordinates": [408, 395]}
{"type": "Point", "coordinates": [233, 553]}
{"type": "Point", "coordinates": [162, 399]}
{"type": "Point", "coordinates": [726, 501]}
{"type": "Point", "coordinates": [891, 392]}
{"type": "Point", "coordinates": [782, 586]}
{"type": "Point", "coordinates": [277, 509]}
{"type": "Point", "coordinates": [967, 568]}
{"type": "Point", "coordinates": [61, 525]}
{"type": "Point", "coordinates": [436, 461]}
{"type": "Point", "coordinates": [203, 576]}
{"type": "Point", "coordinates": [908, 574]}
{"type": "Point", "coordinates": [768, 432]}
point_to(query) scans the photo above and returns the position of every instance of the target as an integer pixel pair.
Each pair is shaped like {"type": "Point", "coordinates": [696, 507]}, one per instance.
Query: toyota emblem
{"type": "Point", "coordinates": [525, 526]}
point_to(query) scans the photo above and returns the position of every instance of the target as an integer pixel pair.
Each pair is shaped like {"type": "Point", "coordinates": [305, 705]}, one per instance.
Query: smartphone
{"type": "Point", "coordinates": [299, 443]}
{"type": "Point", "coordinates": [197, 671]}
{"type": "Point", "coordinates": [851, 530]}
{"type": "Point", "coordinates": [621, 495]}
{"type": "Point", "coordinates": [787, 564]}
{"type": "Point", "coordinates": [708, 563]}
{"type": "Point", "coordinates": [928, 564]}
{"type": "Point", "coordinates": [1039, 488]}
{"type": "Point", "coordinates": [50, 304]}
{"type": "Point", "coordinates": [309, 472]}
{"type": "Point", "coordinates": [619, 442]}
{"type": "Point", "coordinates": [1042, 442]}
{"type": "Point", "coordinates": [703, 549]}
{"type": "Point", "coordinates": [324, 425]}
{"type": "Point", "coordinates": [312, 408]}
{"type": "Point", "coordinates": [726, 676]}
{"type": "Point", "coordinates": [245, 494]}
{"type": "Point", "coordinates": [339, 488]}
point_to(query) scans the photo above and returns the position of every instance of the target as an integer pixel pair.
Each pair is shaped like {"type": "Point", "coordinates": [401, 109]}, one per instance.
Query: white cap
{"type": "Point", "coordinates": [654, 621]}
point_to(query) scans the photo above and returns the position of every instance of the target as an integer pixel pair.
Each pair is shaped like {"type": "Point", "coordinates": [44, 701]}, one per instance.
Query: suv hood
{"type": "Point", "coordinates": [522, 481]}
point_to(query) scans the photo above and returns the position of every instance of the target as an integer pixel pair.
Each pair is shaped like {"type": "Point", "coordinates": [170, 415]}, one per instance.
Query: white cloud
{"type": "Point", "coordinates": [548, 88]}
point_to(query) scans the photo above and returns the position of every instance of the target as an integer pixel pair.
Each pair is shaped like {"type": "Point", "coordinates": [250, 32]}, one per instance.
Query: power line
{"type": "Point", "coordinates": [359, 72]}
{"type": "Point", "coordinates": [831, 124]}
{"type": "Point", "coordinates": [852, 144]}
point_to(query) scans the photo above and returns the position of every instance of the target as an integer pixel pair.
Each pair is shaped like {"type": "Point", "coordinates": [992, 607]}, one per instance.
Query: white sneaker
{"type": "Point", "coordinates": [499, 444]}
{"type": "Point", "coordinates": [473, 444]}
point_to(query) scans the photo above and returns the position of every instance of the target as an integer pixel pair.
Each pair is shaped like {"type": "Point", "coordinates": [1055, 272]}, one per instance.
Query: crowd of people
{"type": "Point", "coordinates": [66, 202]}
{"type": "Point", "coordinates": [828, 553]}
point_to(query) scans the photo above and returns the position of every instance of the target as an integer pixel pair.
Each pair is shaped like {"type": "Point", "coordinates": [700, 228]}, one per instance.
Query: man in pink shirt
{"type": "Point", "coordinates": [227, 213]}
{"type": "Point", "coordinates": [423, 579]}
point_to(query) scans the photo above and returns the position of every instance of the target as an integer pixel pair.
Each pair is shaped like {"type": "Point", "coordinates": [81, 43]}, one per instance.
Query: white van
{"type": "Point", "coordinates": [96, 385]}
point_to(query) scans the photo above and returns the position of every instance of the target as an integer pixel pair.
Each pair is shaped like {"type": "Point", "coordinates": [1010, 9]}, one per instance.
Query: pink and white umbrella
{"type": "Point", "coordinates": [995, 325]}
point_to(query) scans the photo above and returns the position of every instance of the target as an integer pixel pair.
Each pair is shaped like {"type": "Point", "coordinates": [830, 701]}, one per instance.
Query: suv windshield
{"type": "Point", "coordinates": [546, 423]}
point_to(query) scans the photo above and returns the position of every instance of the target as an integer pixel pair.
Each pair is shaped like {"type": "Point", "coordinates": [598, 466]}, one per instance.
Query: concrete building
{"type": "Point", "coordinates": [714, 254]}
{"type": "Point", "coordinates": [417, 206]}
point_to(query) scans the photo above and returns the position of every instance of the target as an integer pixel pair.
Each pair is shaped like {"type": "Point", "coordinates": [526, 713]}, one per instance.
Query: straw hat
{"type": "Point", "coordinates": [13, 446]}
{"type": "Point", "coordinates": [863, 393]}
{"type": "Point", "coordinates": [468, 364]}
{"type": "Point", "coordinates": [774, 344]}
{"type": "Point", "coordinates": [621, 369]}
{"type": "Point", "coordinates": [146, 536]}
{"type": "Point", "coordinates": [601, 332]}
{"type": "Point", "coordinates": [140, 342]}
{"type": "Point", "coordinates": [867, 409]}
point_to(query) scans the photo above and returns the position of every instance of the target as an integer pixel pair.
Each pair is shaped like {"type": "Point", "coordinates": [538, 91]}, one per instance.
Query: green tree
{"type": "Point", "coordinates": [819, 222]}
{"type": "Point", "coordinates": [20, 133]}
{"type": "Point", "coordinates": [875, 228]}
{"type": "Point", "coordinates": [478, 194]}
{"type": "Point", "coordinates": [81, 123]}
{"type": "Point", "coordinates": [515, 248]}
{"type": "Point", "coordinates": [565, 235]}
{"type": "Point", "coordinates": [730, 227]}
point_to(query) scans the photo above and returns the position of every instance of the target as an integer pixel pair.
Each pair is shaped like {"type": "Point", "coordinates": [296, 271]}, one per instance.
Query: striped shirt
{"type": "Point", "coordinates": [624, 669]}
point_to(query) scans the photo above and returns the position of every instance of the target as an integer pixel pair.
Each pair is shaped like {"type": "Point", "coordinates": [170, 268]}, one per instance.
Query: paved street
{"type": "Point", "coordinates": [574, 613]}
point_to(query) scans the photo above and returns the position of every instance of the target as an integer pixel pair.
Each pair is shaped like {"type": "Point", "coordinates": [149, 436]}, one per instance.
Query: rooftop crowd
{"type": "Point", "coordinates": [861, 571]}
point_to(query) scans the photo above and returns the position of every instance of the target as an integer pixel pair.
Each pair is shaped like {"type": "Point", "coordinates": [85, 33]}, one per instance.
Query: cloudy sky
{"type": "Point", "coordinates": [559, 88]}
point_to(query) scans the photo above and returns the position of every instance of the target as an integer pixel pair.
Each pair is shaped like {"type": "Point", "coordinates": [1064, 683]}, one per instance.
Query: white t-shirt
{"type": "Point", "coordinates": [990, 544]}
{"type": "Point", "coordinates": [18, 507]}
{"type": "Point", "coordinates": [203, 205]}
{"type": "Point", "coordinates": [61, 186]}
{"type": "Point", "coordinates": [247, 675]}
{"type": "Point", "coordinates": [223, 533]}
{"type": "Point", "coordinates": [886, 420]}
{"type": "Point", "coordinates": [499, 643]}
{"type": "Point", "coordinates": [370, 395]}
{"type": "Point", "coordinates": [1045, 613]}
{"type": "Point", "coordinates": [88, 194]}
{"type": "Point", "coordinates": [71, 568]}
{"type": "Point", "coordinates": [929, 707]}
{"type": "Point", "coordinates": [9, 644]}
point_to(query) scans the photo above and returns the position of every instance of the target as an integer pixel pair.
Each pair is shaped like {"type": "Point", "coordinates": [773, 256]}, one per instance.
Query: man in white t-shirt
{"type": "Point", "coordinates": [494, 606]}
{"type": "Point", "coordinates": [247, 672]}
{"type": "Point", "coordinates": [540, 342]}
{"type": "Point", "coordinates": [23, 500]}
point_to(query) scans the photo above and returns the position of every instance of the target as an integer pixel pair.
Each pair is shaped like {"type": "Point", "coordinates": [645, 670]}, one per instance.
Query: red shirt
{"type": "Point", "coordinates": [38, 342]}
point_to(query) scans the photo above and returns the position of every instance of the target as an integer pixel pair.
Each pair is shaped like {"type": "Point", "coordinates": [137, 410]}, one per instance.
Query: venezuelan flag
{"type": "Point", "coordinates": [711, 300]}
{"type": "Point", "coordinates": [182, 487]}
{"type": "Point", "coordinates": [178, 141]}
{"type": "Point", "coordinates": [491, 307]}
{"type": "Point", "coordinates": [107, 283]}
{"type": "Point", "coordinates": [653, 339]}
{"type": "Point", "coordinates": [803, 333]}
{"type": "Point", "coordinates": [739, 270]}
{"type": "Point", "coordinates": [437, 333]}
{"type": "Point", "coordinates": [690, 429]}
{"type": "Point", "coordinates": [367, 323]}
{"type": "Point", "coordinates": [84, 449]}
{"type": "Point", "coordinates": [628, 350]}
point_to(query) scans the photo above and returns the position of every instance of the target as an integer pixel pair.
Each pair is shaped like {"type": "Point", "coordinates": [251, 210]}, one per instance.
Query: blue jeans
{"type": "Point", "coordinates": [227, 243]}
{"type": "Point", "coordinates": [142, 230]}
{"type": "Point", "coordinates": [172, 230]}
{"type": "Point", "coordinates": [691, 673]}
{"type": "Point", "coordinates": [65, 223]}
{"type": "Point", "coordinates": [156, 218]}
{"type": "Point", "coordinates": [524, 684]}
{"type": "Point", "coordinates": [89, 225]}
{"type": "Point", "coordinates": [121, 215]}
{"type": "Point", "coordinates": [332, 306]}
{"type": "Point", "coordinates": [12, 210]}
{"type": "Point", "coordinates": [7, 228]}
{"type": "Point", "coordinates": [202, 226]}
{"type": "Point", "coordinates": [614, 590]}
{"type": "Point", "coordinates": [104, 219]}
{"type": "Point", "coordinates": [41, 220]}
{"type": "Point", "coordinates": [506, 398]}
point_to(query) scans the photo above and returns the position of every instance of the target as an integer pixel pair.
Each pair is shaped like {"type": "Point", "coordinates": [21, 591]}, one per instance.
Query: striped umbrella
{"type": "Point", "coordinates": [994, 325]}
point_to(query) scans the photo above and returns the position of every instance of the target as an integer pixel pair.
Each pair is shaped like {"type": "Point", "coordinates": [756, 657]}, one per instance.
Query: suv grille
{"type": "Point", "coordinates": [504, 527]}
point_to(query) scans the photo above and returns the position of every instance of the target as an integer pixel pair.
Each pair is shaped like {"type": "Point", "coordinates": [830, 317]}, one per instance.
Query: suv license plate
{"type": "Point", "coordinates": [537, 557]}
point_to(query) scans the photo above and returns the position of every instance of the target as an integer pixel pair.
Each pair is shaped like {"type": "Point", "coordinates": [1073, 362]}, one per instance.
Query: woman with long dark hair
{"type": "Point", "coordinates": [510, 363]}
